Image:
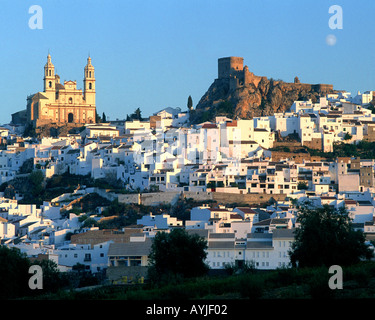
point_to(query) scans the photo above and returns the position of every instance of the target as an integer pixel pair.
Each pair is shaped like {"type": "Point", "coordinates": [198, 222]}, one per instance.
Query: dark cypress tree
{"type": "Point", "coordinates": [190, 103]}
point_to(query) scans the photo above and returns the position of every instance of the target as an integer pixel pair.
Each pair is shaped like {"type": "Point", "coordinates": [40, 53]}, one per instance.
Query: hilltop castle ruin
{"type": "Point", "coordinates": [232, 70]}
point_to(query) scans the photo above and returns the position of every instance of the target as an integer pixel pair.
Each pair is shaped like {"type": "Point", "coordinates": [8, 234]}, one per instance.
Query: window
{"type": "Point", "coordinates": [50, 84]}
{"type": "Point", "coordinates": [90, 85]}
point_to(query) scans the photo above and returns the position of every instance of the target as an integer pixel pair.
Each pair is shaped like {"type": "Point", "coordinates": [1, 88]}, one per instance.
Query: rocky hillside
{"type": "Point", "coordinates": [248, 101]}
{"type": "Point", "coordinates": [52, 130]}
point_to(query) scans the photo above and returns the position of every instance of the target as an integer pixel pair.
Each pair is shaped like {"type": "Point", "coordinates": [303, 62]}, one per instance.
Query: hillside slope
{"type": "Point", "coordinates": [252, 100]}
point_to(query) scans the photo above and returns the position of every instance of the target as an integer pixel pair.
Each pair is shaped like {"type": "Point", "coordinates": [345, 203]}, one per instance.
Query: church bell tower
{"type": "Point", "coordinates": [49, 78]}
{"type": "Point", "coordinates": [89, 83]}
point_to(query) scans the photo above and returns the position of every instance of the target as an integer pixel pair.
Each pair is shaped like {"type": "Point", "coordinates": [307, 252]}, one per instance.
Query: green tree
{"type": "Point", "coordinates": [348, 136]}
{"type": "Point", "coordinates": [27, 166]}
{"type": "Point", "coordinates": [36, 179]}
{"type": "Point", "coordinates": [190, 103]}
{"type": "Point", "coordinates": [225, 108]}
{"type": "Point", "coordinates": [29, 131]}
{"type": "Point", "coordinates": [15, 276]}
{"type": "Point", "coordinates": [137, 115]}
{"type": "Point", "coordinates": [177, 255]}
{"type": "Point", "coordinates": [302, 185]}
{"type": "Point", "coordinates": [104, 117]}
{"type": "Point", "coordinates": [14, 273]}
{"type": "Point", "coordinates": [98, 119]}
{"type": "Point", "coordinates": [89, 222]}
{"type": "Point", "coordinates": [53, 279]}
{"type": "Point", "coordinates": [325, 236]}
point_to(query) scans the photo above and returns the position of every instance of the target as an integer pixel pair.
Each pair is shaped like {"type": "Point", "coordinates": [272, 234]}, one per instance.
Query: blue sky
{"type": "Point", "coordinates": [155, 53]}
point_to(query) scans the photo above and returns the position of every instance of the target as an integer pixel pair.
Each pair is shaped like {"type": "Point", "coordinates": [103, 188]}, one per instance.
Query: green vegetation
{"type": "Point", "coordinates": [363, 149]}
{"type": "Point", "coordinates": [224, 108]}
{"type": "Point", "coordinates": [136, 115]}
{"type": "Point", "coordinates": [122, 214]}
{"type": "Point", "coordinates": [178, 270]}
{"type": "Point", "coordinates": [348, 136]}
{"type": "Point", "coordinates": [14, 275]}
{"type": "Point", "coordinates": [326, 237]}
{"type": "Point", "coordinates": [189, 103]}
{"type": "Point", "coordinates": [177, 255]}
{"type": "Point", "coordinates": [36, 179]}
{"type": "Point", "coordinates": [293, 283]}
{"type": "Point", "coordinates": [29, 131]}
{"type": "Point", "coordinates": [302, 186]}
{"type": "Point", "coordinates": [35, 188]}
{"type": "Point", "coordinates": [371, 106]}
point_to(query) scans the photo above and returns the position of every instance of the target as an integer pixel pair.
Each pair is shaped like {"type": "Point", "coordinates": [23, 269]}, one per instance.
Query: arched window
{"type": "Point", "coordinates": [50, 84]}
{"type": "Point", "coordinates": [89, 74]}
{"type": "Point", "coordinates": [90, 85]}
{"type": "Point", "coordinates": [70, 100]}
{"type": "Point", "coordinates": [50, 72]}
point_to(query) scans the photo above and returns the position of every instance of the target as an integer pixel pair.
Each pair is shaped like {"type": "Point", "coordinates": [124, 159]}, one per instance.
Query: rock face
{"type": "Point", "coordinates": [245, 95]}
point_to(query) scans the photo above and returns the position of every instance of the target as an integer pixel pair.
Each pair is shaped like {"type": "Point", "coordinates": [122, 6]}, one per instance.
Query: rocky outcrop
{"type": "Point", "coordinates": [250, 100]}
{"type": "Point", "coordinates": [54, 130]}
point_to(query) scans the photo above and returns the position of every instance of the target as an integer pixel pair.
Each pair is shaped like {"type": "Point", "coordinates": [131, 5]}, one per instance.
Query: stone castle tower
{"type": "Point", "coordinates": [231, 69]}
{"type": "Point", "coordinates": [63, 103]}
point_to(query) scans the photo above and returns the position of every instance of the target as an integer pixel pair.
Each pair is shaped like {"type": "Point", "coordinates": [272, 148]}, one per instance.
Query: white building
{"type": "Point", "coordinates": [94, 258]}
{"type": "Point", "coordinates": [266, 250]}
{"type": "Point", "coordinates": [160, 221]}
{"type": "Point", "coordinates": [7, 230]}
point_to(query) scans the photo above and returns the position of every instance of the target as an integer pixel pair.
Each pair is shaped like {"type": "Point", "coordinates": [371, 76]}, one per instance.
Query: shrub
{"type": "Point", "coordinates": [252, 288]}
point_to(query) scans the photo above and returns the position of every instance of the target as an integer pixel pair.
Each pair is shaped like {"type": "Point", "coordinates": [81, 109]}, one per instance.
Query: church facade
{"type": "Point", "coordinates": [63, 103]}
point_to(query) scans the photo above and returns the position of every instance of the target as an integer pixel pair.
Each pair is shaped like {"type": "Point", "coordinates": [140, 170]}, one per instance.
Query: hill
{"type": "Point", "coordinates": [237, 92]}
